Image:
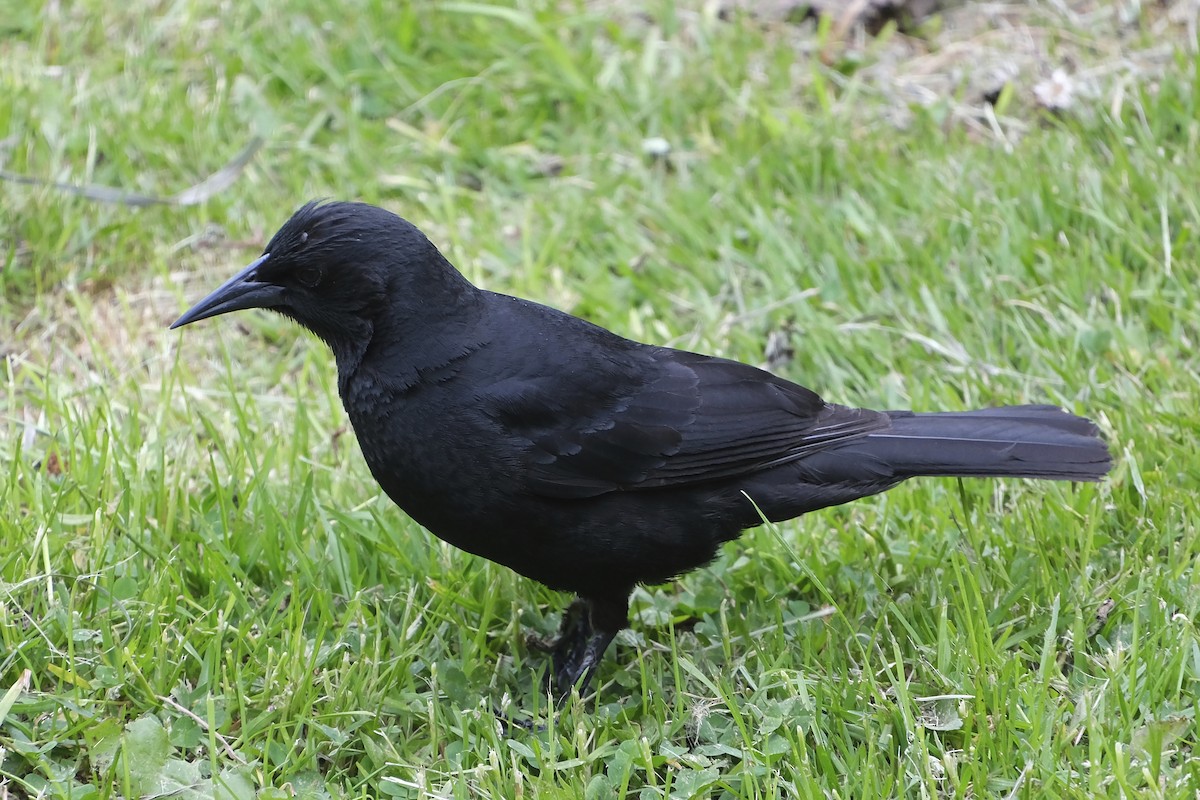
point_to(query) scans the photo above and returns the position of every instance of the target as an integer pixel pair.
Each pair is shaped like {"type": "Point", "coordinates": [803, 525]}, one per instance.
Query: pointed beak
{"type": "Point", "coordinates": [243, 290]}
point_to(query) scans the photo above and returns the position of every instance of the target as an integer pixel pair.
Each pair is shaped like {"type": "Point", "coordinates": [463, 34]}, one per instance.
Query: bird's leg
{"type": "Point", "coordinates": [588, 627]}
{"type": "Point", "coordinates": [568, 648]}
{"type": "Point", "coordinates": [580, 669]}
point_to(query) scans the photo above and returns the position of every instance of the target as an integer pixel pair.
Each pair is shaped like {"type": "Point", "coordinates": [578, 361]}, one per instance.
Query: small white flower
{"type": "Point", "coordinates": [656, 147]}
{"type": "Point", "coordinates": [1057, 92]}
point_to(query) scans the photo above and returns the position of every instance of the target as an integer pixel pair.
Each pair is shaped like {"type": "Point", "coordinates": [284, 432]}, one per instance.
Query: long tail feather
{"type": "Point", "coordinates": [1015, 441]}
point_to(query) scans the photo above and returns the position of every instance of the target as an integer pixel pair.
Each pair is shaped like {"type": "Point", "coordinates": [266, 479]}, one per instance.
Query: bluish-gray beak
{"type": "Point", "coordinates": [243, 290]}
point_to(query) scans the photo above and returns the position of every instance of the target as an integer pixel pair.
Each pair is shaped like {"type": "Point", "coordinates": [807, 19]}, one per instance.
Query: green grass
{"type": "Point", "coordinates": [202, 592]}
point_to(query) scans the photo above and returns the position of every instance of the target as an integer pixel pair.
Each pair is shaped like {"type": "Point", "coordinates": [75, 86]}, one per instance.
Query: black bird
{"type": "Point", "coordinates": [581, 459]}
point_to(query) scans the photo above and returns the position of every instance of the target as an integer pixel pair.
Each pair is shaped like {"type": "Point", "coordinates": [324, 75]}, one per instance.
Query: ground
{"type": "Point", "coordinates": [202, 593]}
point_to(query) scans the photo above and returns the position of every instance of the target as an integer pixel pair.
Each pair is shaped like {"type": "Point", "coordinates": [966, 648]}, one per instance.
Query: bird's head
{"type": "Point", "coordinates": [336, 268]}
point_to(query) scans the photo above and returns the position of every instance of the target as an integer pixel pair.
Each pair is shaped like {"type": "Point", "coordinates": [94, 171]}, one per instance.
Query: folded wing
{"type": "Point", "coordinates": [664, 418]}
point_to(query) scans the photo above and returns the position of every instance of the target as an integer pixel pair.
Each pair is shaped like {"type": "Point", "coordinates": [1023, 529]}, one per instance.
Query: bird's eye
{"type": "Point", "coordinates": [308, 276]}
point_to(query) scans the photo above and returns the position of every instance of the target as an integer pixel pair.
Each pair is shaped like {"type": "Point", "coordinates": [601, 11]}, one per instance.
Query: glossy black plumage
{"type": "Point", "coordinates": [581, 459]}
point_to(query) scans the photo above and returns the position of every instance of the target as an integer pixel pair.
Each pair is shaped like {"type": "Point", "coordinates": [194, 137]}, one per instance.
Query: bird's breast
{"type": "Point", "coordinates": [435, 456]}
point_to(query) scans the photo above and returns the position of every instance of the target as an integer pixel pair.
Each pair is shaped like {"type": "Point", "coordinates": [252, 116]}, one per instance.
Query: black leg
{"type": "Point", "coordinates": [588, 627]}
{"type": "Point", "coordinates": [579, 672]}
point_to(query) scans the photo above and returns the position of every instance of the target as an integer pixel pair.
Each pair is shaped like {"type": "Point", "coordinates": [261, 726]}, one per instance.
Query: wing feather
{"type": "Point", "coordinates": [664, 418]}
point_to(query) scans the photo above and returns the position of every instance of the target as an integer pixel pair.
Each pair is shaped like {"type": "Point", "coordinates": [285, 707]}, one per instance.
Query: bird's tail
{"type": "Point", "coordinates": [1014, 441]}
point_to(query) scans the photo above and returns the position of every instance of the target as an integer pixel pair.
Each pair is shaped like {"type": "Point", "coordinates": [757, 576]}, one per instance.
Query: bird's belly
{"type": "Point", "coordinates": [465, 483]}
{"type": "Point", "coordinates": [478, 505]}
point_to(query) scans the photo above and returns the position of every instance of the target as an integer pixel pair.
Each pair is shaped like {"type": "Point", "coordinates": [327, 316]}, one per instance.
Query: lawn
{"type": "Point", "coordinates": [203, 594]}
